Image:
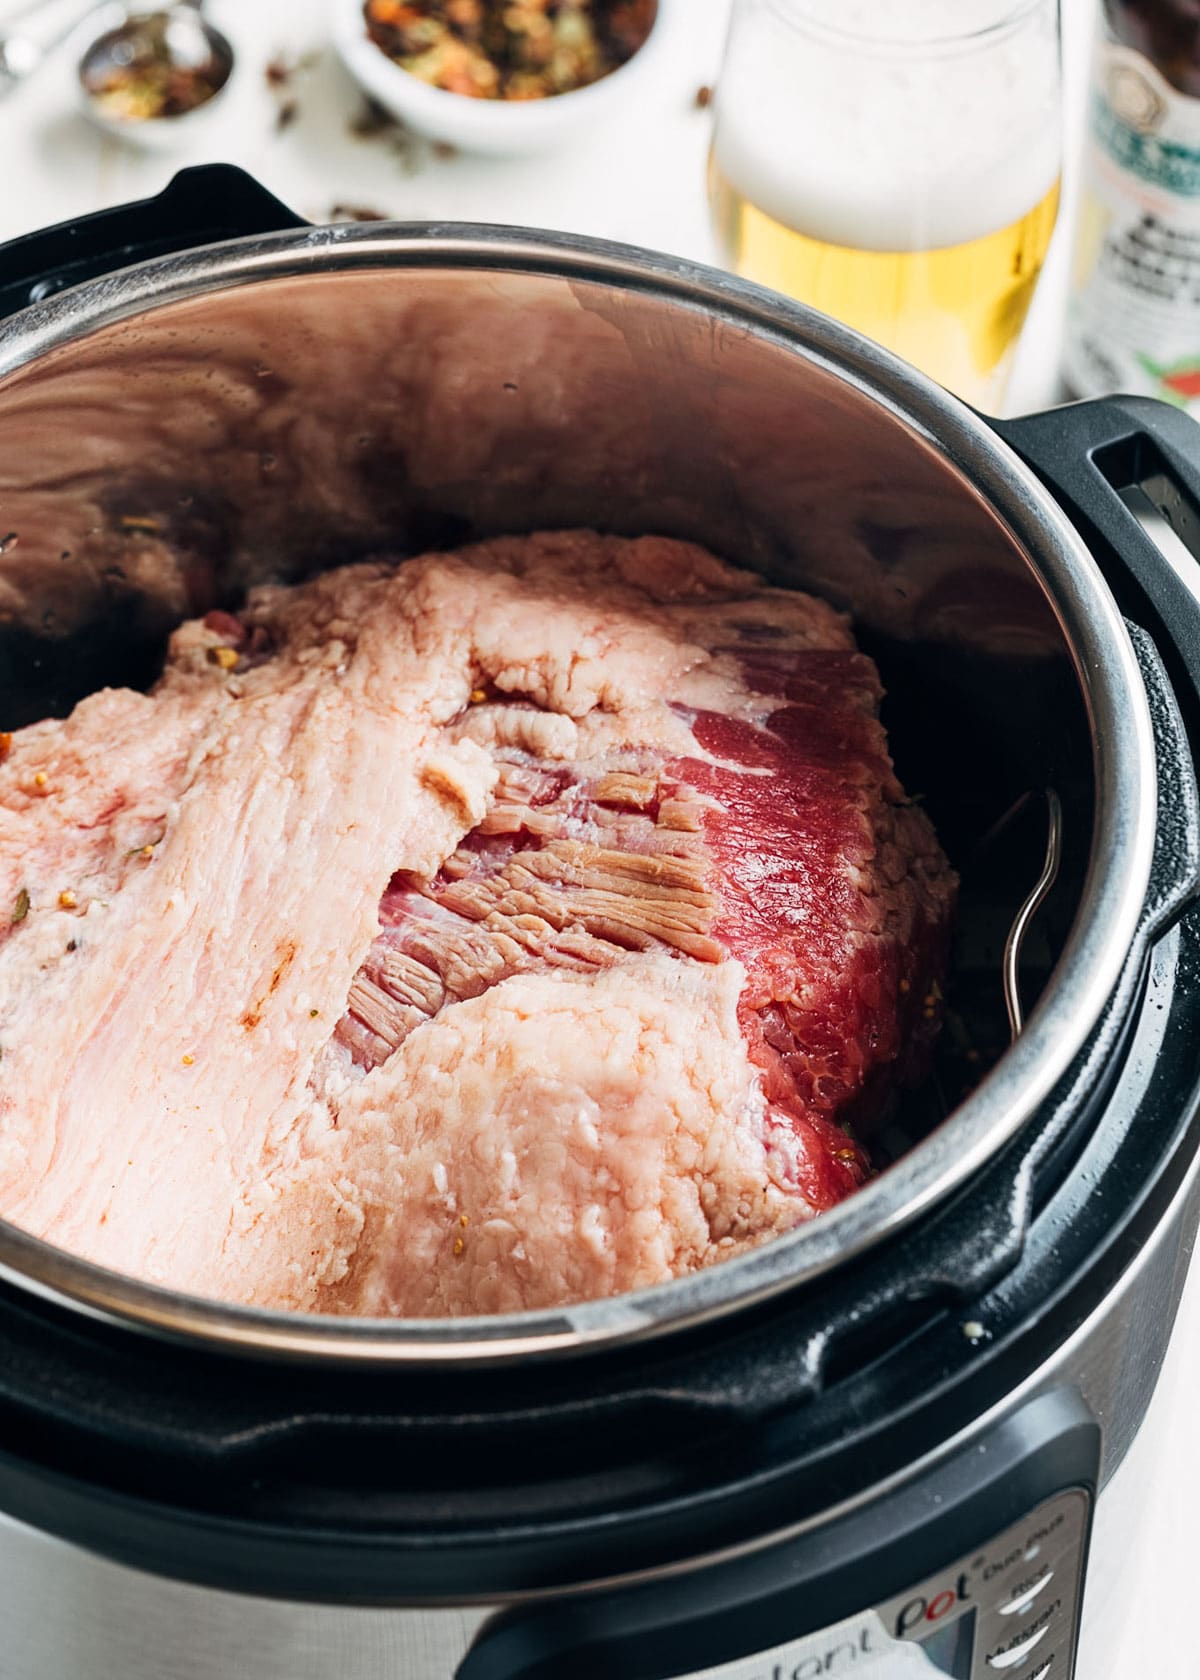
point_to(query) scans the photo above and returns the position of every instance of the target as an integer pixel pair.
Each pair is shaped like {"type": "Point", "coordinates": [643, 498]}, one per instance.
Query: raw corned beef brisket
{"type": "Point", "coordinates": [501, 929]}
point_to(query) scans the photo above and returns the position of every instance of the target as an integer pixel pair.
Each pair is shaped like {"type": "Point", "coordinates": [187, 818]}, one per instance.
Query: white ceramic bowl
{"type": "Point", "coordinates": [505, 128]}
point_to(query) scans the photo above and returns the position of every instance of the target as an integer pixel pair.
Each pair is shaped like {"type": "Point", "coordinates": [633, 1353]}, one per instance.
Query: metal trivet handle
{"type": "Point", "coordinates": [1020, 926]}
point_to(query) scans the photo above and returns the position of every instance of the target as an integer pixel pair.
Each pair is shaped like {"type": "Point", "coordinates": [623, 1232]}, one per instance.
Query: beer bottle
{"type": "Point", "coordinates": [1133, 322]}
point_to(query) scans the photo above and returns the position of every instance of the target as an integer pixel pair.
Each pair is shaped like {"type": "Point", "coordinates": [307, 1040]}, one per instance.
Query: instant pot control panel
{"type": "Point", "coordinates": [972, 1570]}
{"type": "Point", "coordinates": [1010, 1608]}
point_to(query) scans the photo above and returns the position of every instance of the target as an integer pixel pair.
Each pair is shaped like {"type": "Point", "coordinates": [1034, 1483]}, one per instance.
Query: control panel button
{"type": "Point", "coordinates": [1026, 1593]}
{"type": "Point", "coordinates": [1017, 1653]}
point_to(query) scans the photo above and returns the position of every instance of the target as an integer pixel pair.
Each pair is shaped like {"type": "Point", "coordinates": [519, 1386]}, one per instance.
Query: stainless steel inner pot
{"type": "Point", "coordinates": [273, 404]}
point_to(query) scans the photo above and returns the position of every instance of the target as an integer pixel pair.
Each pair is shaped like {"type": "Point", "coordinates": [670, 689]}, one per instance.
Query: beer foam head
{"type": "Point", "coordinates": [939, 134]}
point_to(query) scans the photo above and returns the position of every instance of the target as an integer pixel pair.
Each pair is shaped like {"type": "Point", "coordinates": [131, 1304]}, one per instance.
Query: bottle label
{"type": "Point", "coordinates": [1134, 319]}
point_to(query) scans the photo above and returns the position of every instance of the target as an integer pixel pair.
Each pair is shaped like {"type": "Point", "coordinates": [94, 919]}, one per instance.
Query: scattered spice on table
{"type": "Point", "coordinates": [374, 122]}
{"type": "Point", "coordinates": [371, 119]}
{"type": "Point", "coordinates": [509, 49]}
{"type": "Point", "coordinates": [354, 213]}
{"type": "Point", "coordinates": [280, 74]}
{"type": "Point", "coordinates": [137, 77]}
{"type": "Point", "coordinates": [282, 70]}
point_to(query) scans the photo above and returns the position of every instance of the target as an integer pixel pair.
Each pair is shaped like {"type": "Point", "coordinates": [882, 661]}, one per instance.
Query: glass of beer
{"type": "Point", "coordinates": [896, 166]}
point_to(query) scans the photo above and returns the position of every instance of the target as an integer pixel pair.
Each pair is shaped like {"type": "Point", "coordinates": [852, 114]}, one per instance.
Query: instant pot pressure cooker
{"type": "Point", "coordinates": [886, 1445]}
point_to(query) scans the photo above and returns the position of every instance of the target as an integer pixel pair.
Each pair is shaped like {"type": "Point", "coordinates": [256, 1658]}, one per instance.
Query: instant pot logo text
{"type": "Point", "coordinates": [838, 1659]}
{"type": "Point", "coordinates": [920, 1611]}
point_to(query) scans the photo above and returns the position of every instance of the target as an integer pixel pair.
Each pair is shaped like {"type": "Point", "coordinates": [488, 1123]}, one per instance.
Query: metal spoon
{"type": "Point", "coordinates": [23, 51]}
{"type": "Point", "coordinates": [176, 36]}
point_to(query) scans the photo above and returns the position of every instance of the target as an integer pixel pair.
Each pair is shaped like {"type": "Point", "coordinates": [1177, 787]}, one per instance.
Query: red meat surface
{"type": "Point", "coordinates": [788, 847]}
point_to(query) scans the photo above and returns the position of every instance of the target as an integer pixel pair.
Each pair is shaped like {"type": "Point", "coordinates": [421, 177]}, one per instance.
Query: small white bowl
{"type": "Point", "coordinates": [505, 128]}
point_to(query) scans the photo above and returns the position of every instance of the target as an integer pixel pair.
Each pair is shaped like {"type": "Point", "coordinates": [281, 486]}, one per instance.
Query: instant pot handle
{"type": "Point", "coordinates": [1175, 872]}
{"type": "Point", "coordinates": [1113, 464]}
{"type": "Point", "coordinates": [1107, 463]}
{"type": "Point", "coordinates": [199, 207]}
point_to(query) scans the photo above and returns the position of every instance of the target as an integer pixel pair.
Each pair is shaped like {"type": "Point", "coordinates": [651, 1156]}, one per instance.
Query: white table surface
{"type": "Point", "coordinates": [641, 182]}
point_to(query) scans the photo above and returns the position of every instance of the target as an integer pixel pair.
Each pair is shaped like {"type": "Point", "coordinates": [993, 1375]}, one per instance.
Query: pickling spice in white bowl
{"type": "Point", "coordinates": [505, 76]}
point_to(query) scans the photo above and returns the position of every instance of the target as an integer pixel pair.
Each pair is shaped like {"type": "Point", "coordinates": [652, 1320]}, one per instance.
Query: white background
{"type": "Point", "coordinates": [641, 181]}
